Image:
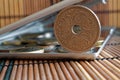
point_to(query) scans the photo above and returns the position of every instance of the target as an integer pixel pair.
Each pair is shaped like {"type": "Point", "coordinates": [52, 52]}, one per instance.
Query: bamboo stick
{"type": "Point", "coordinates": [36, 71]}
{"type": "Point", "coordinates": [110, 15]}
{"type": "Point", "coordinates": [43, 4]}
{"type": "Point", "coordinates": [94, 76]}
{"type": "Point", "coordinates": [115, 62]}
{"type": "Point", "coordinates": [2, 13]}
{"type": "Point", "coordinates": [71, 71]}
{"type": "Point", "coordinates": [65, 71]}
{"type": "Point", "coordinates": [112, 51]}
{"type": "Point", "coordinates": [26, 7]}
{"type": "Point", "coordinates": [8, 72]}
{"type": "Point", "coordinates": [53, 71]}
{"type": "Point", "coordinates": [106, 54]}
{"type": "Point", "coordinates": [2, 74]}
{"type": "Point", "coordinates": [88, 77]}
{"type": "Point", "coordinates": [118, 13]}
{"type": "Point", "coordinates": [7, 15]}
{"type": "Point", "coordinates": [21, 9]}
{"type": "Point", "coordinates": [59, 71]}
{"type": "Point", "coordinates": [78, 71]}
{"type": "Point", "coordinates": [32, 6]}
{"type": "Point", "coordinates": [116, 49]}
{"type": "Point", "coordinates": [47, 70]}
{"type": "Point", "coordinates": [25, 70]}
{"type": "Point", "coordinates": [36, 8]}
{"type": "Point", "coordinates": [100, 70]}
{"type": "Point", "coordinates": [114, 77]}
{"type": "Point", "coordinates": [30, 71]}
{"type": "Point", "coordinates": [16, 9]}
{"type": "Point", "coordinates": [95, 71]}
{"type": "Point", "coordinates": [12, 15]}
{"type": "Point", "coordinates": [115, 13]}
{"type": "Point", "coordinates": [19, 71]}
{"type": "Point", "coordinates": [42, 71]}
{"type": "Point", "coordinates": [109, 51]}
{"type": "Point", "coordinates": [14, 70]}
{"type": "Point", "coordinates": [111, 67]}
{"type": "Point", "coordinates": [103, 53]}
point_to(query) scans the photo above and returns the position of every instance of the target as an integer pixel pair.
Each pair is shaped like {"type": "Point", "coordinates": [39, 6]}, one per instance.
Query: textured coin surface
{"type": "Point", "coordinates": [77, 28]}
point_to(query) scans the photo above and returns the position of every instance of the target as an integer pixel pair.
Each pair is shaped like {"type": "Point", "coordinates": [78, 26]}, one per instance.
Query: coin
{"type": "Point", "coordinates": [13, 42]}
{"type": "Point", "coordinates": [29, 50]}
{"type": "Point", "coordinates": [77, 28]}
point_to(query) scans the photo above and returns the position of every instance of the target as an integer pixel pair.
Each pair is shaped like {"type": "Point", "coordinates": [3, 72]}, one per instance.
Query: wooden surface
{"type": "Point", "coordinates": [13, 10]}
{"type": "Point", "coordinates": [109, 14]}
{"type": "Point", "coordinates": [106, 66]}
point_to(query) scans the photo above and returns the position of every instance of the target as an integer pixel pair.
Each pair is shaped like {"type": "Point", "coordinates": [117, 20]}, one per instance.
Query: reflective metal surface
{"type": "Point", "coordinates": [37, 40]}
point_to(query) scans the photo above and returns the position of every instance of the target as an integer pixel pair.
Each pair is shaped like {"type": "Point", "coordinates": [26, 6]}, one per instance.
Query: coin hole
{"type": "Point", "coordinates": [76, 29]}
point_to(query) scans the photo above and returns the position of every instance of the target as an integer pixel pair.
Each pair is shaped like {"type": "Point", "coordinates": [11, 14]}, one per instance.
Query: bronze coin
{"type": "Point", "coordinates": [77, 28]}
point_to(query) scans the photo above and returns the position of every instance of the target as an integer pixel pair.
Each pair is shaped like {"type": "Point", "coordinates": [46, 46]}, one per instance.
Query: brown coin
{"type": "Point", "coordinates": [77, 28]}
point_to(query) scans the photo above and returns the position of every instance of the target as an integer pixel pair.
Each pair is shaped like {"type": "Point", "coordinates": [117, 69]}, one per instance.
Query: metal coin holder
{"type": "Point", "coordinates": [33, 37]}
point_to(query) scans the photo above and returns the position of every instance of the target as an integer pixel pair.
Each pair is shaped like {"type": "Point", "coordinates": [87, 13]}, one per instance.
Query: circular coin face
{"type": "Point", "coordinates": [77, 28]}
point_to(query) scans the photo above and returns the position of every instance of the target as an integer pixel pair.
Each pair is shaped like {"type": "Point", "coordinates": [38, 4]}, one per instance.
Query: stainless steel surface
{"type": "Point", "coordinates": [57, 52]}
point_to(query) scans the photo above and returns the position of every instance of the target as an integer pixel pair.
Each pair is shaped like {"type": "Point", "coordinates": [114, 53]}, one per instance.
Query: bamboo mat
{"type": "Point", "coordinates": [106, 66]}
{"type": "Point", "coordinates": [14, 10]}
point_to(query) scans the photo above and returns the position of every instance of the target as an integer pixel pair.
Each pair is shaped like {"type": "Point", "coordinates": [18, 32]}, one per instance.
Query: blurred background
{"type": "Point", "coordinates": [13, 10]}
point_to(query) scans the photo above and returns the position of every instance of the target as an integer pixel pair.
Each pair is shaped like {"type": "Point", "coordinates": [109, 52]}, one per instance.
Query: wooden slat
{"type": "Point", "coordinates": [47, 70]}
{"type": "Point", "coordinates": [2, 13]}
{"type": "Point", "coordinates": [36, 70]}
{"type": "Point", "coordinates": [12, 14]}
{"type": "Point", "coordinates": [59, 71]}
{"type": "Point", "coordinates": [118, 19]}
{"type": "Point", "coordinates": [30, 71]}
{"type": "Point", "coordinates": [25, 71]}
{"type": "Point", "coordinates": [21, 9]}
{"type": "Point", "coordinates": [53, 71]}
{"type": "Point", "coordinates": [3, 72]}
{"type": "Point", "coordinates": [26, 7]}
{"type": "Point", "coordinates": [14, 71]}
{"type": "Point", "coordinates": [7, 12]}
{"type": "Point", "coordinates": [16, 9]}
{"type": "Point", "coordinates": [19, 71]}
{"type": "Point", "coordinates": [115, 14]}
{"type": "Point", "coordinates": [110, 15]}
{"type": "Point", "coordinates": [65, 71]}
{"type": "Point", "coordinates": [42, 71]}
{"type": "Point", "coordinates": [8, 72]}
{"type": "Point", "coordinates": [71, 71]}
